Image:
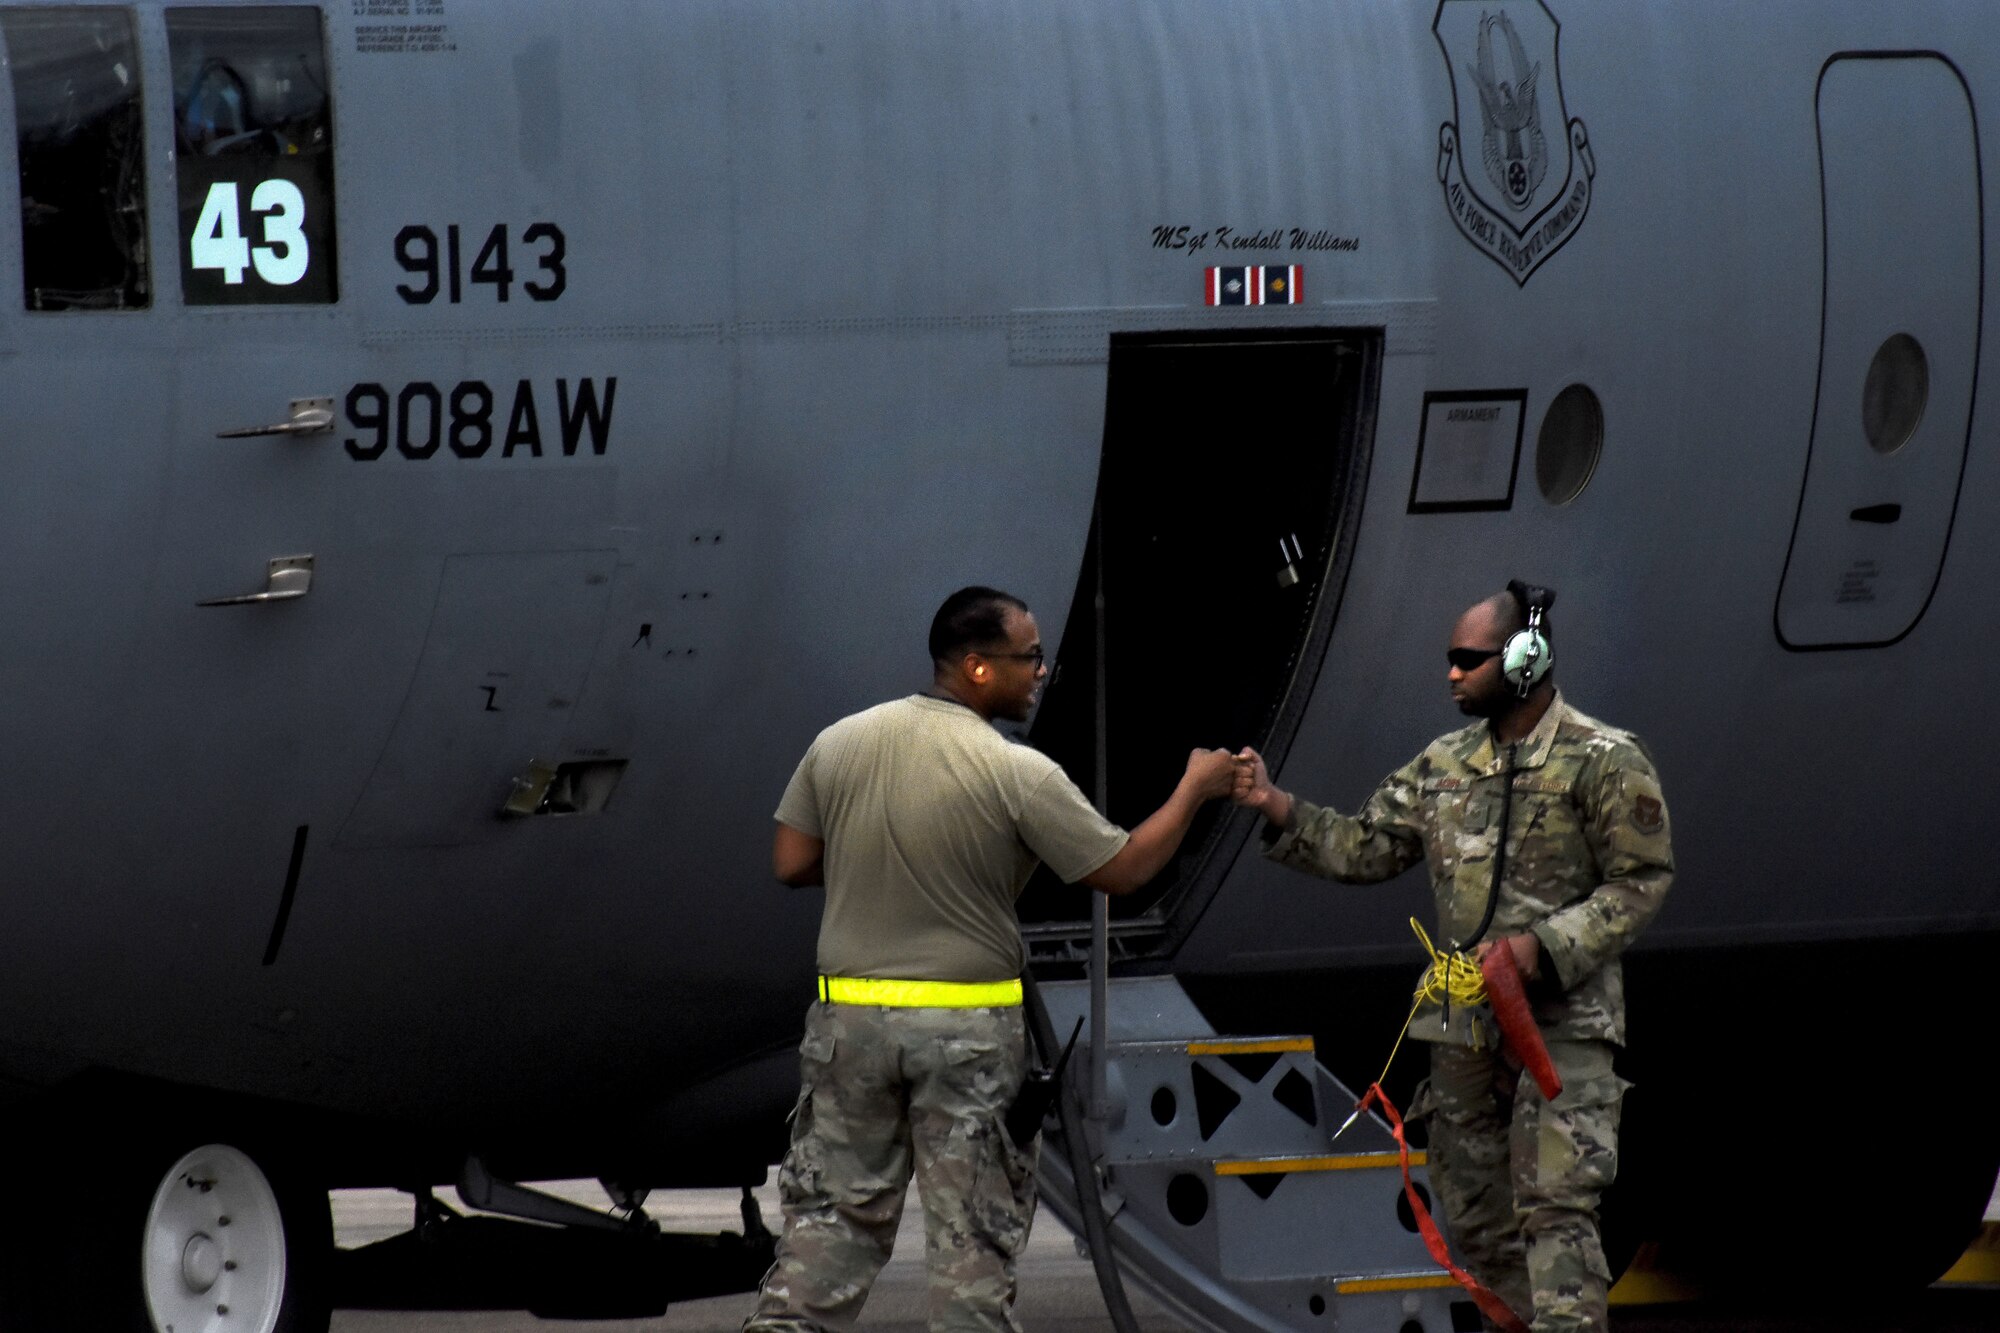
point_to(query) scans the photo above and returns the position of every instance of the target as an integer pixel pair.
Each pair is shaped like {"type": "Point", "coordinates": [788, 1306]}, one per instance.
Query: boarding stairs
{"type": "Point", "coordinates": [1228, 1197]}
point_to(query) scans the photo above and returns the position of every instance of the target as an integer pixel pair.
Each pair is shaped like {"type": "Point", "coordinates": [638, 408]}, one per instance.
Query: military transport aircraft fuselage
{"type": "Point", "coordinates": [457, 455]}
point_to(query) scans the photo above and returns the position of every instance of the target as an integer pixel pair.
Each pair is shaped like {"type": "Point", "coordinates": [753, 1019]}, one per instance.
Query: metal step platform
{"type": "Point", "coordinates": [1230, 1201]}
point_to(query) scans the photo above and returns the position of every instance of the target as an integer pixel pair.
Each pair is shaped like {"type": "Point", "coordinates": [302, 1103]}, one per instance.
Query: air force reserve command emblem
{"type": "Point", "coordinates": [1527, 186]}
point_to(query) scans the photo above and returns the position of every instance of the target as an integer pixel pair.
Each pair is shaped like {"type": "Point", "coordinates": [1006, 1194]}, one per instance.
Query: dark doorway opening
{"type": "Point", "coordinates": [1228, 498]}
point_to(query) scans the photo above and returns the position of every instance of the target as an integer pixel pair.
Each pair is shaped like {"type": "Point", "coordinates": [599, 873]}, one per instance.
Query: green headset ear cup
{"type": "Point", "coordinates": [1526, 659]}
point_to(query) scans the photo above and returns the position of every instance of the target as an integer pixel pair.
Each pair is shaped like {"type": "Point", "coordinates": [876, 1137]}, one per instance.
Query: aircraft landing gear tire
{"type": "Point", "coordinates": [213, 1255]}
{"type": "Point", "coordinates": [1870, 1226]}
{"type": "Point", "coordinates": [189, 1235]}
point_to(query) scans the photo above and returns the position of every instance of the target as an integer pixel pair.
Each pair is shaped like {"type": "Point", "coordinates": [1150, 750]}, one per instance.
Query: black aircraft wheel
{"type": "Point", "coordinates": [186, 1236]}
{"type": "Point", "coordinates": [1888, 1223]}
{"type": "Point", "coordinates": [1930, 1215]}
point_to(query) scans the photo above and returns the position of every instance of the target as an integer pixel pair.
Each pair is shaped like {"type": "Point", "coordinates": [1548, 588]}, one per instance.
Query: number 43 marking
{"type": "Point", "coordinates": [218, 241]}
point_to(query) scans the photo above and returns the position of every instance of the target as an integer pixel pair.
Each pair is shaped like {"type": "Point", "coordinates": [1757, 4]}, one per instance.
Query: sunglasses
{"type": "Point", "coordinates": [1471, 659]}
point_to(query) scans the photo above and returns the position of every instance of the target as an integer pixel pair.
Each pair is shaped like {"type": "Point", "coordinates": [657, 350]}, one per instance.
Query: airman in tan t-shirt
{"type": "Point", "coordinates": [924, 823]}
{"type": "Point", "coordinates": [933, 823]}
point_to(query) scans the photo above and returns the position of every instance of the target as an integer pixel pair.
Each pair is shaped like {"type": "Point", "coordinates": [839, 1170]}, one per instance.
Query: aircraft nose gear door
{"type": "Point", "coordinates": [1899, 152]}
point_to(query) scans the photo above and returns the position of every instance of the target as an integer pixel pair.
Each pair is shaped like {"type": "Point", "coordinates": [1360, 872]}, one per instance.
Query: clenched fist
{"type": "Point", "coordinates": [1210, 773]}
{"type": "Point", "coordinates": [1252, 788]}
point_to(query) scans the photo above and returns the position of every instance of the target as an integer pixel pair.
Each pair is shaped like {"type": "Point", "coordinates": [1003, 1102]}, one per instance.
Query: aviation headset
{"type": "Point", "coordinates": [1527, 656]}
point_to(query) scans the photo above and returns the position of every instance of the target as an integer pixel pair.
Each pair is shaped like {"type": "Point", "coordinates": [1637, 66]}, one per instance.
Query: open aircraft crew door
{"type": "Point", "coordinates": [1228, 497]}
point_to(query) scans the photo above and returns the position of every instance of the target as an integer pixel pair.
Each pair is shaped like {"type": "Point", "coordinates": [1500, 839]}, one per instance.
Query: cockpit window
{"type": "Point", "coordinates": [253, 155]}
{"type": "Point", "coordinates": [83, 157]}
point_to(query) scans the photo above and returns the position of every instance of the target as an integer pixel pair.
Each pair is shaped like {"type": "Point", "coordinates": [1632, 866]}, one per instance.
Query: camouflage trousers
{"type": "Point", "coordinates": [1519, 1176]}
{"type": "Point", "coordinates": [888, 1091]}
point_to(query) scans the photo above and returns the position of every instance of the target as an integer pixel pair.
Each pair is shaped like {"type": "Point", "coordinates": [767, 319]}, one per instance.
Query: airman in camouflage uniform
{"type": "Point", "coordinates": [924, 823]}
{"type": "Point", "coordinates": [1588, 861]}
{"type": "Point", "coordinates": [854, 1149]}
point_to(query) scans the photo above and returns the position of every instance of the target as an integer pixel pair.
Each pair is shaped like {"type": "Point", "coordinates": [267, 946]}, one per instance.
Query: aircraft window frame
{"type": "Point", "coordinates": [253, 137]}
{"type": "Point", "coordinates": [1895, 393]}
{"type": "Point", "coordinates": [67, 264]}
{"type": "Point", "coordinates": [1570, 444]}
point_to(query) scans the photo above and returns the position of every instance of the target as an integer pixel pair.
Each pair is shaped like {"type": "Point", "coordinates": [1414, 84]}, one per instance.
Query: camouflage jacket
{"type": "Point", "coordinates": [1589, 857]}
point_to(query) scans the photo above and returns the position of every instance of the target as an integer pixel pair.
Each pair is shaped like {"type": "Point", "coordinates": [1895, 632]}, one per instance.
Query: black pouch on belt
{"type": "Point", "coordinates": [1037, 1094]}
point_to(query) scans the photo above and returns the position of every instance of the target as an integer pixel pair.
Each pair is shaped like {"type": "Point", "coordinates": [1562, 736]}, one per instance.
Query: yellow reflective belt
{"type": "Point", "coordinates": [920, 994]}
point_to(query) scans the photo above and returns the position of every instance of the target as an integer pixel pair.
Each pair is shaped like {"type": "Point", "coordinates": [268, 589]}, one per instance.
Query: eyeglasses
{"type": "Point", "coordinates": [1471, 659]}
{"type": "Point", "coordinates": [1034, 655]}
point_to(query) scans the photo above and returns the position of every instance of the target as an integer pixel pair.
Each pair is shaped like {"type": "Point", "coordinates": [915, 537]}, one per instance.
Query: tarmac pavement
{"type": "Point", "coordinates": [1059, 1288]}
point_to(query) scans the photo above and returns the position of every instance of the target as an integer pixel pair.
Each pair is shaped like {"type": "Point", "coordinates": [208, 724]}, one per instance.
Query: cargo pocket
{"type": "Point", "coordinates": [1422, 1103]}
{"type": "Point", "coordinates": [815, 1054]}
{"type": "Point", "coordinates": [982, 1074]}
{"type": "Point", "coordinates": [1576, 1149]}
{"type": "Point", "coordinates": [1004, 1185]}
{"type": "Point", "coordinates": [799, 1177]}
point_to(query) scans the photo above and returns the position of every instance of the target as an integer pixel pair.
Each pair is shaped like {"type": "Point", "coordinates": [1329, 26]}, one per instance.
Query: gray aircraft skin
{"type": "Point", "coordinates": [681, 357]}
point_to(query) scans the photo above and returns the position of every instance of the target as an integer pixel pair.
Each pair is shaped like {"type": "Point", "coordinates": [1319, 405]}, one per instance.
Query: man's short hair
{"type": "Point", "coordinates": [971, 618]}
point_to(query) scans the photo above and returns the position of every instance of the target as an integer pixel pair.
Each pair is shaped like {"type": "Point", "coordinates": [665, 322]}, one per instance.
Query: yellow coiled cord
{"type": "Point", "coordinates": [1451, 977]}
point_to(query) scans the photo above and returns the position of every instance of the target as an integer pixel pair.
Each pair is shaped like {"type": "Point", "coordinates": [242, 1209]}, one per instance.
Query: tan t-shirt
{"type": "Point", "coordinates": [933, 822]}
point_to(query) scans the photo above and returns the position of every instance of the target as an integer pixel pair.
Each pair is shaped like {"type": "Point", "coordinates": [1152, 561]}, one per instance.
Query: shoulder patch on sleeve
{"type": "Point", "coordinates": [1647, 815]}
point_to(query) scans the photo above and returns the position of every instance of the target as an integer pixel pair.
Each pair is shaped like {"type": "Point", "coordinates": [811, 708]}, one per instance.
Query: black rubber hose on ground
{"type": "Point", "coordinates": [1096, 1228]}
